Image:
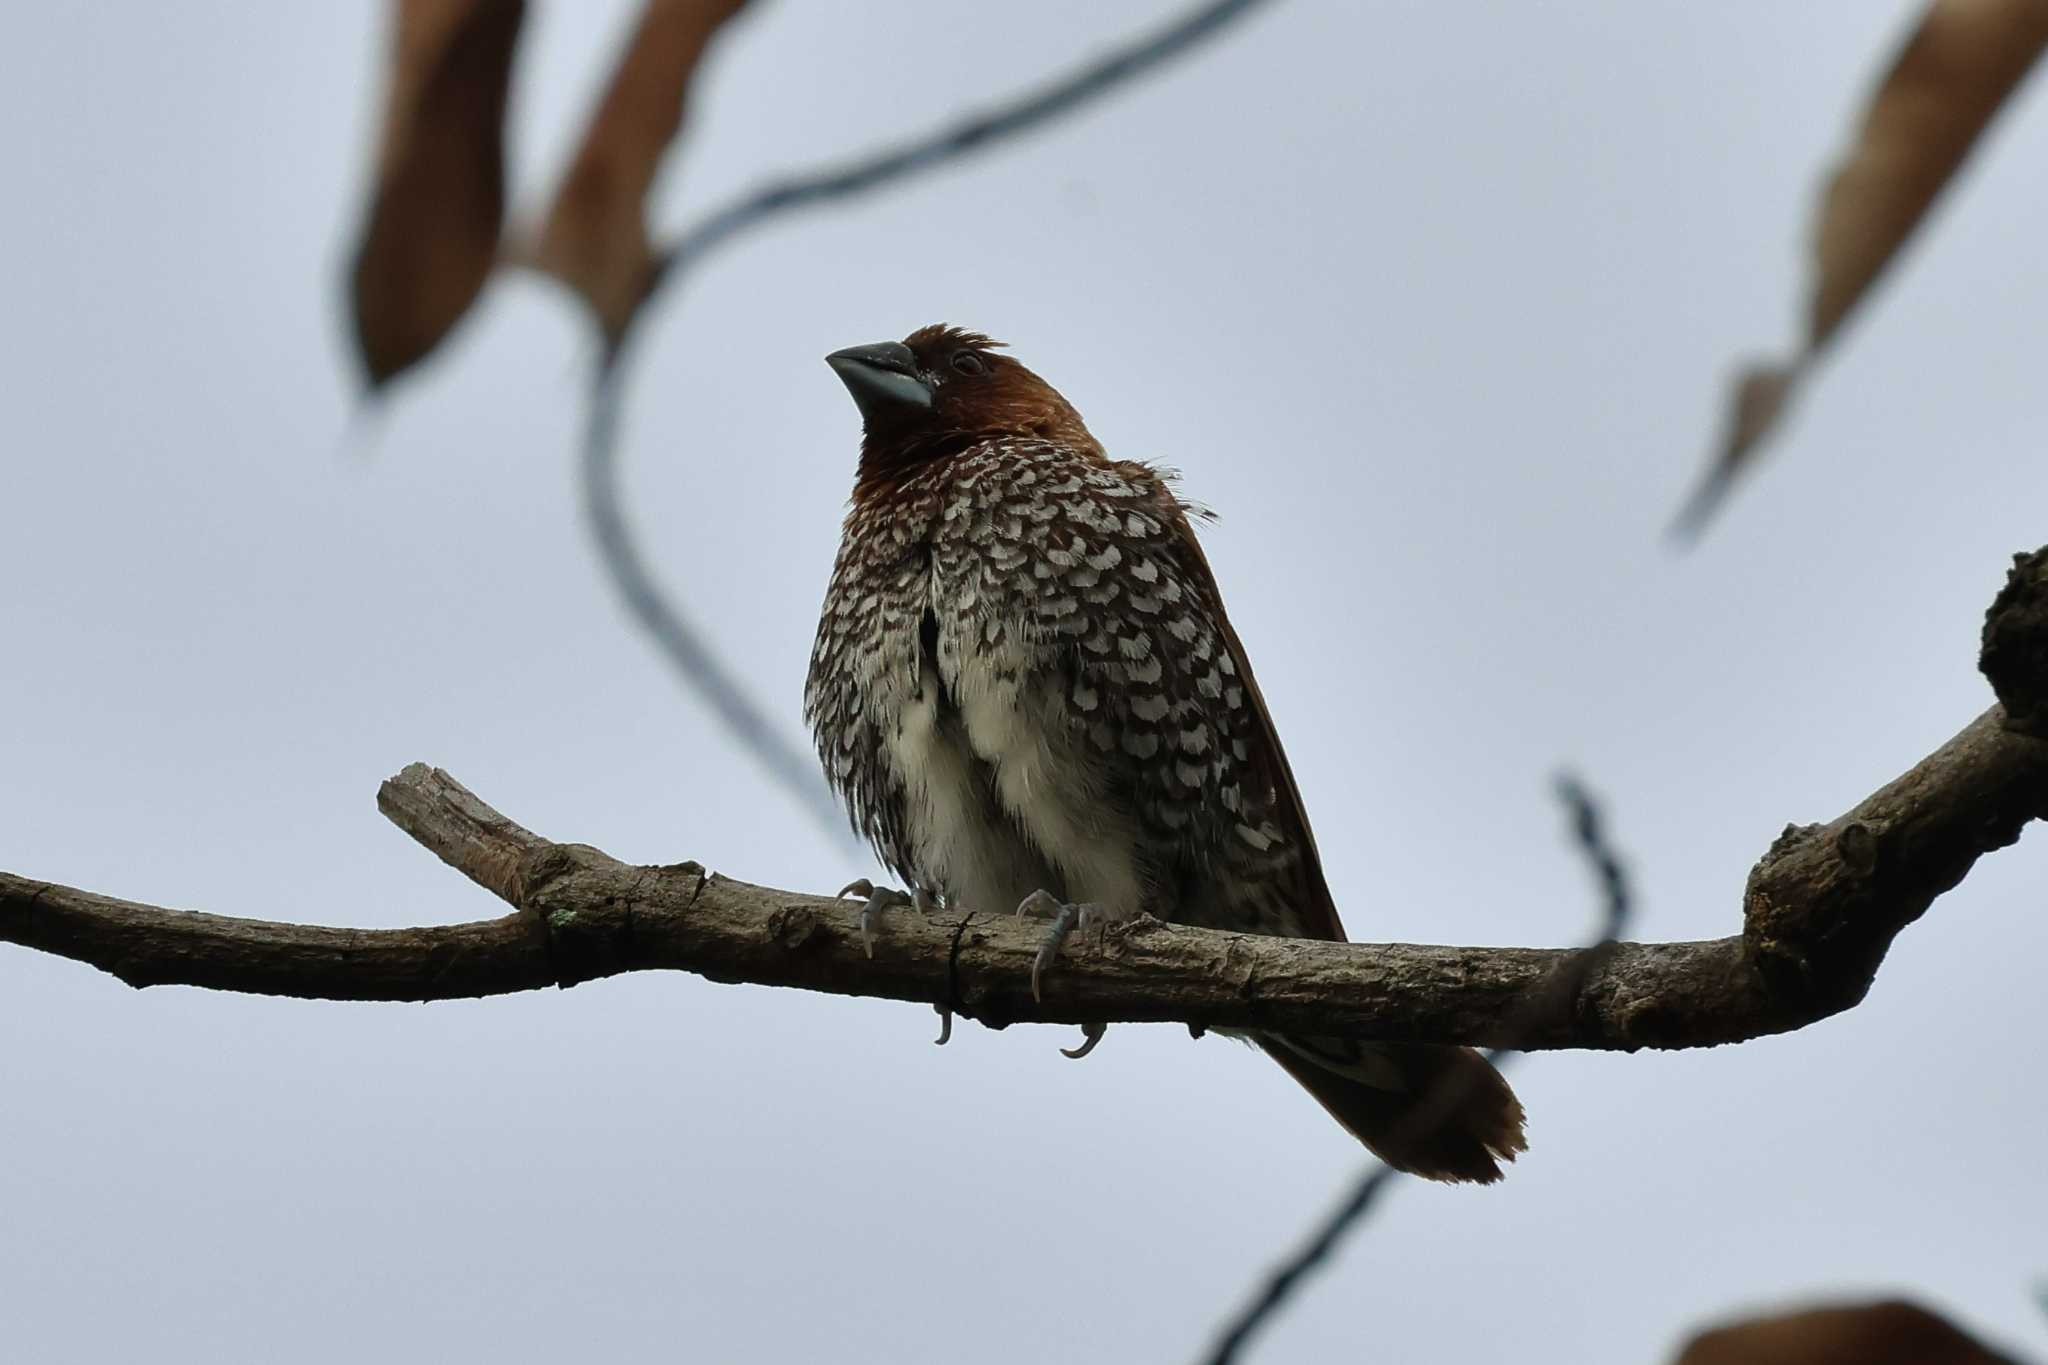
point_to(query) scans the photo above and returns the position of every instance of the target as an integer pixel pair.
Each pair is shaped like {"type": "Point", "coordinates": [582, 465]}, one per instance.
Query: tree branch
{"type": "Point", "coordinates": [1821, 909]}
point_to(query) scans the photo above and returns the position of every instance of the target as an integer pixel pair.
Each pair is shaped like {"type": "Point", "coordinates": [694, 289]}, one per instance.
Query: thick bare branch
{"type": "Point", "coordinates": [1821, 909]}
{"type": "Point", "coordinates": [1823, 905]}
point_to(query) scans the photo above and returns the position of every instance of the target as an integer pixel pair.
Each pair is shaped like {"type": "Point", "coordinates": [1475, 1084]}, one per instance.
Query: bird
{"type": "Point", "coordinates": [1026, 692]}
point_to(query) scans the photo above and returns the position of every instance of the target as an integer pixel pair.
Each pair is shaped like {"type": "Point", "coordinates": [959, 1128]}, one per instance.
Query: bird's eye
{"type": "Point", "coordinates": [967, 362]}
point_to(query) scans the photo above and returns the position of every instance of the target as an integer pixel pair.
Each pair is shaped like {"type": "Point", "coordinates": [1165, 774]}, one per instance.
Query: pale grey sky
{"type": "Point", "coordinates": [1432, 302]}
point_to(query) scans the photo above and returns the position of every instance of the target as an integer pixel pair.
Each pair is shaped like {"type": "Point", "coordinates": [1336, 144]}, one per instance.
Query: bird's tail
{"type": "Point", "coordinates": [1442, 1113]}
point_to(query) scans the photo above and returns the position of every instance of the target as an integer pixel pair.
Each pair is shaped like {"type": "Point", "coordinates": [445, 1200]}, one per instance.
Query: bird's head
{"type": "Point", "coordinates": [942, 389]}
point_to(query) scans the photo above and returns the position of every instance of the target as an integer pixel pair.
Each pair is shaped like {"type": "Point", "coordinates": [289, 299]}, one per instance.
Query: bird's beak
{"type": "Point", "coordinates": [883, 380]}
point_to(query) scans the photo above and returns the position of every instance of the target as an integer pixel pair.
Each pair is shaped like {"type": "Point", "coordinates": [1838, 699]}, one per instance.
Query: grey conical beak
{"type": "Point", "coordinates": [882, 378]}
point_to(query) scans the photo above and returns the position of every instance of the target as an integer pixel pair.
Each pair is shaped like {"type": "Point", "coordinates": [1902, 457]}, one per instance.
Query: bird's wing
{"type": "Point", "coordinates": [1269, 759]}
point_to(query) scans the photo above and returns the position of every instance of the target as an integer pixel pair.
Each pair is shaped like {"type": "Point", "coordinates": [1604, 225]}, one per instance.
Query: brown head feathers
{"type": "Point", "coordinates": [954, 390]}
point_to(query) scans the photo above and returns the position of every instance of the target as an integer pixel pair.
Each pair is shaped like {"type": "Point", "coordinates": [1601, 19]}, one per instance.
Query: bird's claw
{"type": "Point", "coordinates": [1064, 919]}
{"type": "Point", "coordinates": [880, 898]}
{"type": "Point", "coordinates": [1091, 1034]}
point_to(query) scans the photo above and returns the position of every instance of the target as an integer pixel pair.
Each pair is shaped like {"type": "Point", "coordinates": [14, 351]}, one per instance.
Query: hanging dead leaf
{"type": "Point", "coordinates": [1891, 1332]}
{"type": "Point", "coordinates": [594, 238]}
{"type": "Point", "coordinates": [431, 236]}
{"type": "Point", "coordinates": [1956, 71]}
{"type": "Point", "coordinates": [1962, 62]}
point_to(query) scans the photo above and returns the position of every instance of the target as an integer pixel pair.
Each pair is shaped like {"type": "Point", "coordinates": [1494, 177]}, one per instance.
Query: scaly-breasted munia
{"type": "Point", "coordinates": [1026, 690]}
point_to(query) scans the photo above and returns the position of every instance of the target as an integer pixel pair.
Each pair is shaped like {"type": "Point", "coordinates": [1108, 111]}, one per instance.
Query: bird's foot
{"type": "Point", "coordinates": [1066, 918]}
{"type": "Point", "coordinates": [880, 898]}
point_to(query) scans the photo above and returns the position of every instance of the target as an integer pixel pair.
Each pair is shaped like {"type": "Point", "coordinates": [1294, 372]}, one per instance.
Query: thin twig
{"type": "Point", "coordinates": [975, 133]}
{"type": "Point", "coordinates": [1555, 994]}
{"type": "Point", "coordinates": [684, 645]}
{"type": "Point", "coordinates": [681, 642]}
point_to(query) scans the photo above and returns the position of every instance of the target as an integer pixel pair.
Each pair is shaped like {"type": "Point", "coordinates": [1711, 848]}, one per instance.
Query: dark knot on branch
{"type": "Point", "coordinates": [2015, 653]}
{"type": "Point", "coordinates": [1823, 905]}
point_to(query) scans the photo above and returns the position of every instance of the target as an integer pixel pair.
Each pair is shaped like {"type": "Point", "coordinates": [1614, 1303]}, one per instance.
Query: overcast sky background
{"type": "Point", "coordinates": [1432, 302]}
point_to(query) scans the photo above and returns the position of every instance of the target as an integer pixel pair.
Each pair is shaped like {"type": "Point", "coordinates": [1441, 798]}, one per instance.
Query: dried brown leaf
{"type": "Point", "coordinates": [431, 237]}
{"type": "Point", "coordinates": [1891, 1332]}
{"type": "Point", "coordinates": [1955, 72]}
{"type": "Point", "coordinates": [594, 238]}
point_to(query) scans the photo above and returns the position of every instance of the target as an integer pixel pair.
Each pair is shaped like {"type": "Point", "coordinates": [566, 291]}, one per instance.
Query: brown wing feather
{"type": "Point", "coordinates": [1318, 909]}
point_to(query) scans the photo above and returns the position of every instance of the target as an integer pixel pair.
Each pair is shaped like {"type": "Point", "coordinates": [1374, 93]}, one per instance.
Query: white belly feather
{"type": "Point", "coordinates": [1004, 777]}
{"type": "Point", "coordinates": [960, 849]}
